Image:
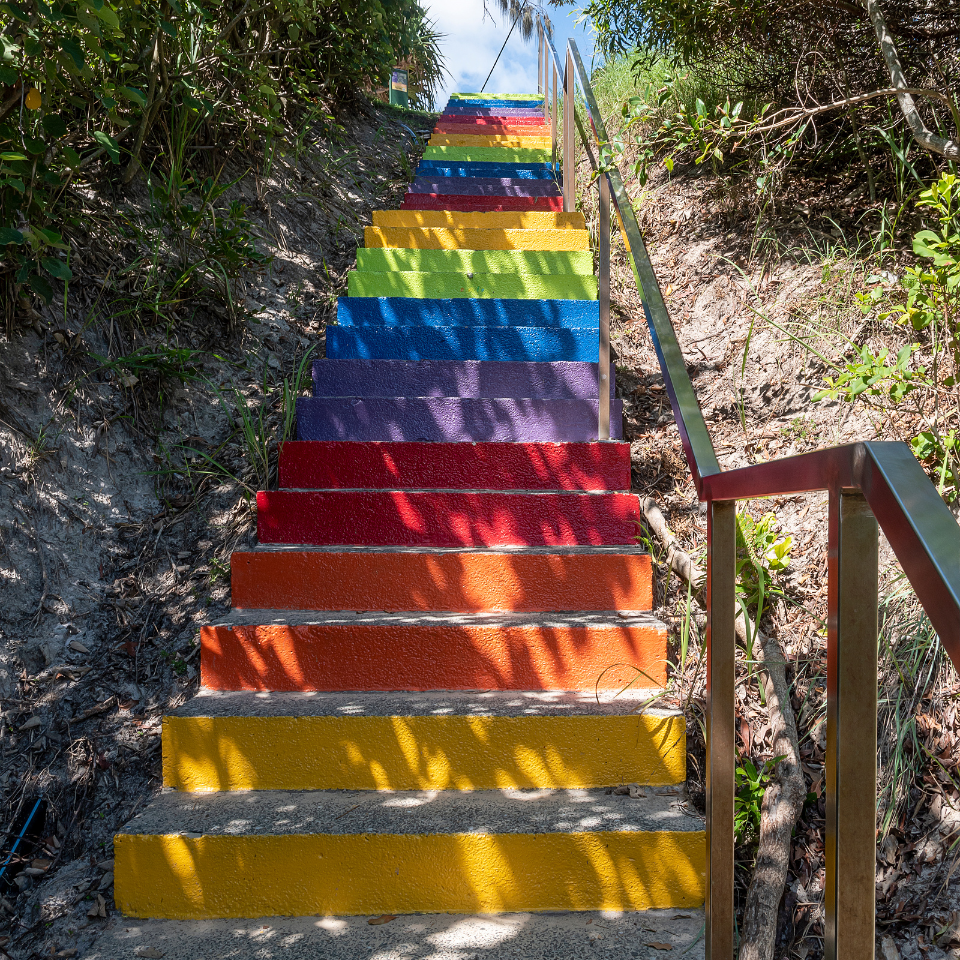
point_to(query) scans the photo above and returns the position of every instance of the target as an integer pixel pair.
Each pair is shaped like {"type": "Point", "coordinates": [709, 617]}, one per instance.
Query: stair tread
{"type": "Point", "coordinates": [554, 935]}
{"type": "Point", "coordinates": [342, 812]}
{"type": "Point", "coordinates": [440, 618]}
{"type": "Point", "coordinates": [620, 549]}
{"type": "Point", "coordinates": [438, 703]}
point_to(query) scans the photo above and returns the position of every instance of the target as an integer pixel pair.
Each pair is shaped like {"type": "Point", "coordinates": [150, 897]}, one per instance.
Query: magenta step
{"type": "Point", "coordinates": [453, 419]}
{"type": "Point", "coordinates": [307, 465]}
{"type": "Point", "coordinates": [483, 187]}
{"type": "Point", "coordinates": [446, 518]}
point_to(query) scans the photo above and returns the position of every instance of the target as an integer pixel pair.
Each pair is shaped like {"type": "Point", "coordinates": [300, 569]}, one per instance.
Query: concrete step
{"type": "Point", "coordinates": [484, 186]}
{"type": "Point", "coordinates": [294, 650]}
{"type": "Point", "coordinates": [447, 518]}
{"type": "Point", "coordinates": [447, 238]}
{"type": "Point", "coordinates": [464, 119]}
{"type": "Point", "coordinates": [439, 936]}
{"type": "Point", "coordinates": [517, 171]}
{"type": "Point", "coordinates": [459, 125]}
{"type": "Point", "coordinates": [255, 853]}
{"type": "Point", "coordinates": [461, 312]}
{"type": "Point", "coordinates": [530, 141]}
{"type": "Point", "coordinates": [421, 259]}
{"type": "Point", "coordinates": [453, 419]}
{"type": "Point", "coordinates": [446, 202]}
{"type": "Point", "coordinates": [533, 344]}
{"type": "Point", "coordinates": [440, 286]}
{"type": "Point", "coordinates": [490, 154]}
{"type": "Point", "coordinates": [462, 579]}
{"type": "Point", "coordinates": [454, 466]}
{"type": "Point", "coordinates": [482, 220]}
{"type": "Point", "coordinates": [437, 740]}
{"type": "Point", "coordinates": [503, 101]}
{"type": "Point", "coordinates": [470, 379]}
{"type": "Point", "coordinates": [475, 110]}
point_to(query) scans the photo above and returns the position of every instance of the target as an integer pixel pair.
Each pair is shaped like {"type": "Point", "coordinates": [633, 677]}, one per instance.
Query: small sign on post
{"type": "Point", "coordinates": [398, 88]}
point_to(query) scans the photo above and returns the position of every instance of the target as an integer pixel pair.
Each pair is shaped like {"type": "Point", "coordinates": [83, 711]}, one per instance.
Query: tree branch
{"type": "Point", "coordinates": [921, 133]}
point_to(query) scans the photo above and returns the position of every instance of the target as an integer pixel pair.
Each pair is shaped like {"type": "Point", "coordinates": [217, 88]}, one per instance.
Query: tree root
{"type": "Point", "coordinates": [784, 798]}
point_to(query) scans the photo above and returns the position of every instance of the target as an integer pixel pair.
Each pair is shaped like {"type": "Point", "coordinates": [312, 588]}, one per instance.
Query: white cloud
{"type": "Point", "coordinates": [471, 42]}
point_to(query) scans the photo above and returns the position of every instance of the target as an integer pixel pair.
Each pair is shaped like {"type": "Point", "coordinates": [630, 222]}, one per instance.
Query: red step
{"type": "Point", "coordinates": [446, 518]}
{"type": "Point", "coordinates": [346, 465]}
{"type": "Point", "coordinates": [446, 201]}
{"type": "Point", "coordinates": [467, 120]}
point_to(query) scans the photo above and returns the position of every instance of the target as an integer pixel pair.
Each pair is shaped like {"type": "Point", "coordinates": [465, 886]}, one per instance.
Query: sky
{"type": "Point", "coordinates": [471, 42]}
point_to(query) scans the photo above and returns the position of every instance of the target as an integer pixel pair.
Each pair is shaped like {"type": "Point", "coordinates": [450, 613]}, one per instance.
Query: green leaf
{"type": "Point", "coordinates": [72, 157]}
{"type": "Point", "coordinates": [40, 287]}
{"type": "Point", "coordinates": [55, 125]}
{"type": "Point", "coordinates": [57, 268]}
{"type": "Point", "coordinates": [9, 235]}
{"type": "Point", "coordinates": [10, 157]}
{"type": "Point", "coordinates": [132, 93]}
{"type": "Point", "coordinates": [108, 144]}
{"type": "Point", "coordinates": [74, 51]}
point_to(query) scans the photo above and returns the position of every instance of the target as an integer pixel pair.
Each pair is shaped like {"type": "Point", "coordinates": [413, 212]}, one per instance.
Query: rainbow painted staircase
{"type": "Point", "coordinates": [412, 708]}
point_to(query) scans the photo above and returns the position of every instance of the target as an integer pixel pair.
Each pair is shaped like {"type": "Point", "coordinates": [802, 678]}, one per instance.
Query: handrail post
{"type": "Point", "coordinates": [553, 119]}
{"type": "Point", "coordinates": [721, 718]}
{"type": "Point", "coordinates": [569, 135]}
{"type": "Point", "coordinates": [603, 356]}
{"type": "Point", "coordinates": [851, 762]}
{"type": "Point", "coordinates": [539, 56]}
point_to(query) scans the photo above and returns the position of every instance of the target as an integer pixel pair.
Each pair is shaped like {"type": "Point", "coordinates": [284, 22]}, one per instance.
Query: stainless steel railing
{"type": "Point", "coordinates": [869, 484]}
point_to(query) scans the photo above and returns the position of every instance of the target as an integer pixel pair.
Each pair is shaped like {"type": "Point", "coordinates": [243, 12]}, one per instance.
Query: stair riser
{"type": "Point", "coordinates": [444, 518]}
{"type": "Point", "coordinates": [490, 286]}
{"type": "Point", "coordinates": [442, 238]}
{"type": "Point", "coordinates": [420, 753]}
{"type": "Point", "coordinates": [490, 154]}
{"type": "Point", "coordinates": [457, 582]}
{"type": "Point", "coordinates": [521, 103]}
{"type": "Point", "coordinates": [328, 874]}
{"type": "Point", "coordinates": [493, 312]}
{"type": "Point", "coordinates": [452, 420]}
{"type": "Point", "coordinates": [455, 466]}
{"type": "Point", "coordinates": [469, 129]}
{"type": "Point", "coordinates": [534, 344]}
{"type": "Point", "coordinates": [516, 171]}
{"type": "Point", "coordinates": [460, 119]}
{"type": "Point", "coordinates": [431, 201]}
{"type": "Point", "coordinates": [470, 380]}
{"type": "Point", "coordinates": [420, 259]}
{"type": "Point", "coordinates": [484, 187]}
{"type": "Point", "coordinates": [427, 657]}
{"type": "Point", "coordinates": [461, 220]}
{"type": "Point", "coordinates": [528, 142]}
{"type": "Point", "coordinates": [474, 110]}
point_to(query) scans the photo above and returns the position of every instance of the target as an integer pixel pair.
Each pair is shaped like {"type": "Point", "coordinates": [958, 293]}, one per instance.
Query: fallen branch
{"type": "Point", "coordinates": [782, 801]}
{"type": "Point", "coordinates": [680, 562]}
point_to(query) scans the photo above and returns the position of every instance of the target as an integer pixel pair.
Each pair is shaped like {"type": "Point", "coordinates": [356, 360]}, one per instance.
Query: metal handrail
{"type": "Point", "coordinates": [869, 483]}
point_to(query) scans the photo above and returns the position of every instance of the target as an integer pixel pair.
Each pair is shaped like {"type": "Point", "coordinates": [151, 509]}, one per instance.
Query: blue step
{"type": "Point", "coordinates": [499, 102]}
{"type": "Point", "coordinates": [408, 312]}
{"type": "Point", "coordinates": [536, 344]}
{"type": "Point", "coordinates": [471, 378]}
{"type": "Point", "coordinates": [512, 171]}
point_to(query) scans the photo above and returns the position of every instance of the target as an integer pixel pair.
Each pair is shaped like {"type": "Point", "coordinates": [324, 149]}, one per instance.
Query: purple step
{"type": "Point", "coordinates": [562, 380]}
{"type": "Point", "coordinates": [453, 419]}
{"type": "Point", "coordinates": [485, 187]}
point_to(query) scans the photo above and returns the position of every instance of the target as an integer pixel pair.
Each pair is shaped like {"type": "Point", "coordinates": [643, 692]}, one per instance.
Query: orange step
{"type": "Point", "coordinates": [462, 580]}
{"type": "Point", "coordinates": [405, 651]}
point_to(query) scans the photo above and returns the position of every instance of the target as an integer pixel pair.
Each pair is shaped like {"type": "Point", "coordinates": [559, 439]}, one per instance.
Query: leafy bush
{"type": "Point", "coordinates": [94, 81]}
{"type": "Point", "coordinates": [931, 309]}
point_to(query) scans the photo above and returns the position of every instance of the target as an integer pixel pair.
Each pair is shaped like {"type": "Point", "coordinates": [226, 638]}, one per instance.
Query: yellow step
{"type": "Point", "coordinates": [265, 853]}
{"type": "Point", "coordinates": [425, 741]}
{"type": "Point", "coordinates": [507, 219]}
{"type": "Point", "coordinates": [443, 238]}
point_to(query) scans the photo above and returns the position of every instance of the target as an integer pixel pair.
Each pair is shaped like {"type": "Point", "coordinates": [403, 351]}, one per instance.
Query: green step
{"type": "Point", "coordinates": [488, 154]}
{"type": "Point", "coordinates": [445, 286]}
{"type": "Point", "coordinates": [384, 259]}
